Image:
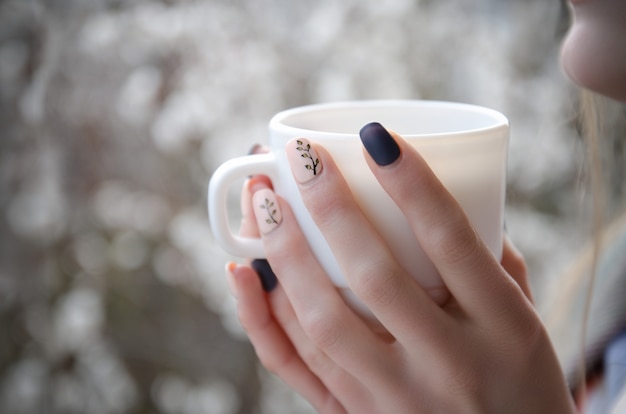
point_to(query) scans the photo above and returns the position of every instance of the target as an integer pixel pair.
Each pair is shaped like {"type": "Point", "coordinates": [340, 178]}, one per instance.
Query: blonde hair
{"type": "Point", "coordinates": [585, 310]}
{"type": "Point", "coordinates": [592, 130]}
{"type": "Point", "coordinates": [596, 116]}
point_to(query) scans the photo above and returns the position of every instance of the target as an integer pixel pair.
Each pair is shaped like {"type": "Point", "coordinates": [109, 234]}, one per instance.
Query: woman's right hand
{"type": "Point", "coordinates": [484, 351]}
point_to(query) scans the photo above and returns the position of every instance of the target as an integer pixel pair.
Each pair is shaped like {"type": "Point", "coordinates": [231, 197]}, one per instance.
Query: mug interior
{"type": "Point", "coordinates": [408, 118]}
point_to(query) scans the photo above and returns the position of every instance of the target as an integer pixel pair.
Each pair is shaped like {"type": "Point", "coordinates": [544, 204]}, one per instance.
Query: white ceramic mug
{"type": "Point", "coordinates": [465, 145]}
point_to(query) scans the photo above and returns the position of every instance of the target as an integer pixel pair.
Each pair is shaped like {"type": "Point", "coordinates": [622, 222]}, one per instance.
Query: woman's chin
{"type": "Point", "coordinates": [596, 61]}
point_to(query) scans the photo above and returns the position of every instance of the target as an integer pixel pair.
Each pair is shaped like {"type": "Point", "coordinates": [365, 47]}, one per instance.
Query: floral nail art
{"type": "Point", "coordinates": [269, 206]}
{"type": "Point", "coordinates": [304, 161]}
{"type": "Point", "coordinates": [266, 210]}
{"type": "Point", "coordinates": [312, 160]}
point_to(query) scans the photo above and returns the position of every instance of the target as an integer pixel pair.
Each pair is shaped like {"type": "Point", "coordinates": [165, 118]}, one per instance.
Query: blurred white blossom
{"type": "Point", "coordinates": [78, 319]}
{"type": "Point", "coordinates": [174, 395]}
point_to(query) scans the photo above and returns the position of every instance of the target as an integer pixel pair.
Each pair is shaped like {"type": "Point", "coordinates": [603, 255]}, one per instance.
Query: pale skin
{"type": "Point", "coordinates": [471, 355]}
{"type": "Point", "coordinates": [483, 351]}
{"type": "Point", "coordinates": [594, 52]}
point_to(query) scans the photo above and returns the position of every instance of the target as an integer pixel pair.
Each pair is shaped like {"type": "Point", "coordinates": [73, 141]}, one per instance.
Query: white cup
{"type": "Point", "coordinates": [465, 145]}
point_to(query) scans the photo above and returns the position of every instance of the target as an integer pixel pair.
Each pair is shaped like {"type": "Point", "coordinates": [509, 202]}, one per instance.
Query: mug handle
{"type": "Point", "coordinates": [221, 181]}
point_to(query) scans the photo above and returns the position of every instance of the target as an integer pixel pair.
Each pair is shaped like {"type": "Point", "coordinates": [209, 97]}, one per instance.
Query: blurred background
{"type": "Point", "coordinates": [113, 115]}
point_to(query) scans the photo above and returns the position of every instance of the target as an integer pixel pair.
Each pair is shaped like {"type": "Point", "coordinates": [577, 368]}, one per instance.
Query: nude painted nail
{"type": "Point", "coordinates": [305, 164]}
{"type": "Point", "coordinates": [266, 210]}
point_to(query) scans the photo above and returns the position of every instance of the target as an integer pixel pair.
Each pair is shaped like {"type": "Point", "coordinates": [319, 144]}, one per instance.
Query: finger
{"type": "Point", "coordinates": [515, 265]}
{"type": "Point", "coordinates": [248, 227]}
{"type": "Point", "coordinates": [325, 318]}
{"type": "Point", "coordinates": [371, 270]}
{"type": "Point", "coordinates": [347, 389]}
{"type": "Point", "coordinates": [272, 346]}
{"type": "Point", "coordinates": [468, 268]}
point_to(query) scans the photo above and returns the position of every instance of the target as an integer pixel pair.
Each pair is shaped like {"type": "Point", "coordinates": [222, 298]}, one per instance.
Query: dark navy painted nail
{"type": "Point", "coordinates": [266, 274]}
{"type": "Point", "coordinates": [379, 144]}
{"type": "Point", "coordinates": [254, 149]}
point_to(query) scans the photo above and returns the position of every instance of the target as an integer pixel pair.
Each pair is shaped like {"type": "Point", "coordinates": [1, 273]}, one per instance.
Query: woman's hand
{"type": "Point", "coordinates": [484, 351]}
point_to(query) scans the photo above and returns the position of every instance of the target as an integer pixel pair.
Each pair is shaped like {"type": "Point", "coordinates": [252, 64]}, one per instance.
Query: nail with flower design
{"type": "Point", "coordinates": [305, 164]}
{"type": "Point", "coordinates": [266, 210]}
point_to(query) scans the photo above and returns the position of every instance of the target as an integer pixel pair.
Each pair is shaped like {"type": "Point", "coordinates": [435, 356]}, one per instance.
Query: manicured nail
{"type": "Point", "coordinates": [305, 164]}
{"type": "Point", "coordinates": [232, 285]}
{"type": "Point", "coordinates": [254, 149]}
{"type": "Point", "coordinates": [379, 144]}
{"type": "Point", "coordinates": [266, 274]}
{"type": "Point", "coordinates": [266, 210]}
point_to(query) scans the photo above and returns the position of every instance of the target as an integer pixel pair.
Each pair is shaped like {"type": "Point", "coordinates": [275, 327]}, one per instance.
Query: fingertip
{"type": "Point", "coordinates": [254, 149]}
{"type": "Point", "coordinates": [230, 278]}
{"type": "Point", "coordinates": [379, 143]}
{"type": "Point", "coordinates": [258, 275]}
{"type": "Point", "coordinates": [258, 182]}
{"type": "Point", "coordinates": [258, 149]}
{"type": "Point", "coordinates": [266, 274]}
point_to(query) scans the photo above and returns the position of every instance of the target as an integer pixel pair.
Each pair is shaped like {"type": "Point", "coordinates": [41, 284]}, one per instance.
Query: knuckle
{"type": "Point", "coordinates": [274, 363]}
{"type": "Point", "coordinates": [276, 241]}
{"type": "Point", "coordinates": [517, 264]}
{"type": "Point", "coordinates": [455, 243]}
{"type": "Point", "coordinates": [250, 321]}
{"type": "Point", "coordinates": [275, 249]}
{"type": "Point", "coordinates": [523, 331]}
{"type": "Point", "coordinates": [461, 380]}
{"type": "Point", "coordinates": [327, 209]}
{"type": "Point", "coordinates": [378, 283]}
{"type": "Point", "coordinates": [330, 405]}
{"type": "Point", "coordinates": [328, 200]}
{"type": "Point", "coordinates": [316, 360]}
{"type": "Point", "coordinates": [323, 326]}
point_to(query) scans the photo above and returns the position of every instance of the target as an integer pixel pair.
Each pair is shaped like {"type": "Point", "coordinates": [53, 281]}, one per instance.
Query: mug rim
{"type": "Point", "coordinates": [277, 122]}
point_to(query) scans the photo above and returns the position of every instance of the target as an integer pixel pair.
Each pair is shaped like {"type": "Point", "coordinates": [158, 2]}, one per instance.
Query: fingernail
{"type": "Point", "coordinates": [254, 149]}
{"type": "Point", "coordinates": [266, 210]}
{"type": "Point", "coordinates": [266, 274]}
{"type": "Point", "coordinates": [305, 164]}
{"type": "Point", "coordinates": [379, 144]}
{"type": "Point", "coordinates": [232, 286]}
